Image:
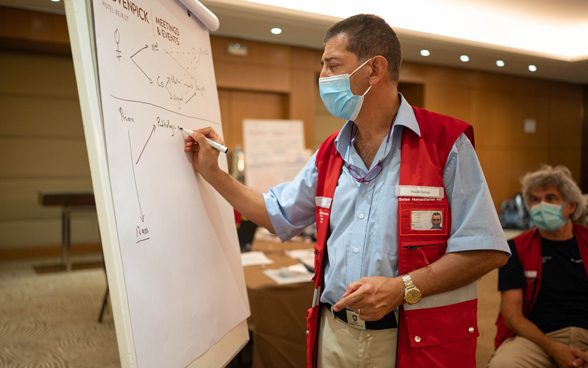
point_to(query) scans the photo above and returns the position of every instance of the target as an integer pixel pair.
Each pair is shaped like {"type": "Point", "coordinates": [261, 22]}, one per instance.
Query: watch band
{"type": "Point", "coordinates": [407, 281]}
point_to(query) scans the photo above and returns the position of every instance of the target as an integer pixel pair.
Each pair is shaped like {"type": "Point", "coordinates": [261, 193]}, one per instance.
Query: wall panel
{"type": "Point", "coordinates": [492, 113]}
{"type": "Point", "coordinates": [568, 158]}
{"type": "Point", "coordinates": [20, 197]}
{"type": "Point", "coordinates": [43, 158]}
{"type": "Point", "coordinates": [565, 124]}
{"type": "Point", "coordinates": [497, 106]}
{"type": "Point", "coordinates": [42, 148]}
{"type": "Point", "coordinates": [530, 107]}
{"type": "Point", "coordinates": [44, 116]}
{"type": "Point", "coordinates": [37, 75]}
{"type": "Point", "coordinates": [47, 232]}
{"type": "Point", "coordinates": [302, 100]}
{"type": "Point", "coordinates": [252, 77]}
{"type": "Point", "coordinates": [455, 102]}
{"type": "Point", "coordinates": [242, 105]}
{"type": "Point", "coordinates": [258, 53]}
{"type": "Point", "coordinates": [495, 163]}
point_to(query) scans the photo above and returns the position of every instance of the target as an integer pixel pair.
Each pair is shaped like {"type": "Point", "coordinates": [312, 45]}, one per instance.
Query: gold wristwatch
{"type": "Point", "coordinates": [412, 294]}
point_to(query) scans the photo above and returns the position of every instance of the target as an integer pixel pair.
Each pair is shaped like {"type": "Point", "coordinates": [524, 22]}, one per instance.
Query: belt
{"type": "Point", "coordinates": [388, 321]}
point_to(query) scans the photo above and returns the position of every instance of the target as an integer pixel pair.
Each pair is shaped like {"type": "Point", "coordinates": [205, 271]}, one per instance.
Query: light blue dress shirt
{"type": "Point", "coordinates": [363, 224]}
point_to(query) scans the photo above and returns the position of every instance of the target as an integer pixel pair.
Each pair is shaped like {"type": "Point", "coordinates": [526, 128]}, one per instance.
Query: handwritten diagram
{"type": "Point", "coordinates": [175, 73]}
{"type": "Point", "coordinates": [179, 82]}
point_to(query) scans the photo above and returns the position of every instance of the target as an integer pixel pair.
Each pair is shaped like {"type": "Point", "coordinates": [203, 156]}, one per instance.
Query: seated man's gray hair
{"type": "Point", "coordinates": [560, 178]}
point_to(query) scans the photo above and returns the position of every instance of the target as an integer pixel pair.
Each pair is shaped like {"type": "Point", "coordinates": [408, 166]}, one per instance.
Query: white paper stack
{"type": "Point", "coordinates": [290, 275]}
{"type": "Point", "coordinates": [254, 259]}
{"type": "Point", "coordinates": [305, 256]}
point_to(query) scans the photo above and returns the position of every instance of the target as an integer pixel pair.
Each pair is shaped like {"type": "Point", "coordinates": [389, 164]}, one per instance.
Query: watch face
{"type": "Point", "coordinates": [412, 296]}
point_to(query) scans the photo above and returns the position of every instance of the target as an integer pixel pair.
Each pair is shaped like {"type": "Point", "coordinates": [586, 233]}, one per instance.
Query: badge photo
{"type": "Point", "coordinates": [426, 220]}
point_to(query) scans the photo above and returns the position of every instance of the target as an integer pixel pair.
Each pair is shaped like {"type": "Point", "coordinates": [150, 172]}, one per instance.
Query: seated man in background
{"type": "Point", "coordinates": [544, 285]}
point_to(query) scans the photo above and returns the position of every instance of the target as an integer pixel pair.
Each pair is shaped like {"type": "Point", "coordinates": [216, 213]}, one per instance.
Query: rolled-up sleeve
{"type": "Point", "coordinates": [290, 206]}
{"type": "Point", "coordinates": [474, 221]}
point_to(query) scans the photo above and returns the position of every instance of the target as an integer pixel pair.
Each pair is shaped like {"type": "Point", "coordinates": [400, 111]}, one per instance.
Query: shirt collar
{"type": "Point", "coordinates": [405, 118]}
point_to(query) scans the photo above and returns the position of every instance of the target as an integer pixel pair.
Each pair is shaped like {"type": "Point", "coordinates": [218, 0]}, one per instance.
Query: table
{"type": "Point", "coordinates": [278, 312]}
{"type": "Point", "coordinates": [70, 202]}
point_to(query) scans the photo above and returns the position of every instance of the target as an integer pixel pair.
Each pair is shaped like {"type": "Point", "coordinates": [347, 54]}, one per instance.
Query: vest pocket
{"type": "Point", "coordinates": [444, 334]}
{"type": "Point", "coordinates": [417, 255]}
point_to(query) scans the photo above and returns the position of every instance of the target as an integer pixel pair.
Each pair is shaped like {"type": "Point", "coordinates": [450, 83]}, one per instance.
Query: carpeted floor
{"type": "Point", "coordinates": [50, 319]}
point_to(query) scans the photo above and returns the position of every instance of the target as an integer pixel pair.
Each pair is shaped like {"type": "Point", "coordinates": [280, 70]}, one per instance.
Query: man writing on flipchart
{"type": "Point", "coordinates": [390, 291]}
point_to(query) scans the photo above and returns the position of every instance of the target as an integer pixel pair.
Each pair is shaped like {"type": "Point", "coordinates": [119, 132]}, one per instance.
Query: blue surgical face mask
{"type": "Point", "coordinates": [338, 98]}
{"type": "Point", "coordinates": [547, 216]}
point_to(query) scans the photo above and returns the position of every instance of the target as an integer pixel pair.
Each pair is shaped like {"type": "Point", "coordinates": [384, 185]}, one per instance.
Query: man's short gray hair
{"type": "Point", "coordinates": [560, 178]}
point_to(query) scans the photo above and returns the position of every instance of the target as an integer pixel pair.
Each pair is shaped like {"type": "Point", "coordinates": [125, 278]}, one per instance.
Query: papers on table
{"type": "Point", "coordinates": [285, 275]}
{"type": "Point", "coordinates": [305, 256]}
{"type": "Point", "coordinates": [290, 275]}
{"type": "Point", "coordinates": [254, 259]}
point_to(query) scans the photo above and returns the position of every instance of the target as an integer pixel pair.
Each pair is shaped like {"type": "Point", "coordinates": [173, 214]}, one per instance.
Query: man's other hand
{"type": "Point", "coordinates": [205, 158]}
{"type": "Point", "coordinates": [374, 297]}
{"type": "Point", "coordinates": [567, 357]}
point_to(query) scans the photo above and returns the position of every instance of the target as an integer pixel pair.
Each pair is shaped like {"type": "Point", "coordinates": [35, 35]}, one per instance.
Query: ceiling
{"type": "Point", "coordinates": [546, 33]}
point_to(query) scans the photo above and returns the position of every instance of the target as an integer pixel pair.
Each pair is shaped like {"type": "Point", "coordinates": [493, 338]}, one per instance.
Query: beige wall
{"type": "Point", "coordinates": [42, 145]}
{"type": "Point", "coordinates": [497, 105]}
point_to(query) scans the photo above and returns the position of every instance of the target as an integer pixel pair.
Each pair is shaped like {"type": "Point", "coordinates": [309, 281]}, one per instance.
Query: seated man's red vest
{"type": "Point", "coordinates": [528, 247]}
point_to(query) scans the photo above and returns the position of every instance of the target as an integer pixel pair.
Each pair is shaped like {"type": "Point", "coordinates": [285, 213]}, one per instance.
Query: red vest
{"type": "Point", "coordinates": [528, 246]}
{"type": "Point", "coordinates": [440, 330]}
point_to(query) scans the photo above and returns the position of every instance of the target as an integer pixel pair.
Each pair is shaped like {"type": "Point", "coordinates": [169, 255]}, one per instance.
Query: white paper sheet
{"type": "Point", "coordinates": [177, 236]}
{"type": "Point", "coordinates": [274, 152]}
{"type": "Point", "coordinates": [290, 275]}
{"type": "Point", "coordinates": [255, 259]}
{"type": "Point", "coordinates": [306, 256]}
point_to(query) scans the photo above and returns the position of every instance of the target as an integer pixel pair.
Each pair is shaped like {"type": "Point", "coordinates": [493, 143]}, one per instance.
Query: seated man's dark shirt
{"type": "Point", "coordinates": [563, 296]}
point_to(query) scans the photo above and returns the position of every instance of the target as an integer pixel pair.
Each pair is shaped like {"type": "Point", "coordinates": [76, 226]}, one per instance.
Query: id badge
{"type": "Point", "coordinates": [354, 321]}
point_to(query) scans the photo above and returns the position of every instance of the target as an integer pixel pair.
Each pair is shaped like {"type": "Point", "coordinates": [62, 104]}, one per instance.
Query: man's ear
{"type": "Point", "coordinates": [379, 70]}
{"type": "Point", "coordinates": [573, 208]}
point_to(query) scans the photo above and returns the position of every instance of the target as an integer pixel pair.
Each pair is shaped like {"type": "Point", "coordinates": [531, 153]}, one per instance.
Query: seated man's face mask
{"type": "Point", "coordinates": [547, 216]}
{"type": "Point", "coordinates": [338, 98]}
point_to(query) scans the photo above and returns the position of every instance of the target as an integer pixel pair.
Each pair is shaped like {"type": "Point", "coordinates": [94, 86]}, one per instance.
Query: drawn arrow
{"type": "Point", "coordinates": [191, 97]}
{"type": "Point", "coordinates": [150, 81]}
{"type": "Point", "coordinates": [146, 144]}
{"type": "Point", "coordinates": [142, 217]}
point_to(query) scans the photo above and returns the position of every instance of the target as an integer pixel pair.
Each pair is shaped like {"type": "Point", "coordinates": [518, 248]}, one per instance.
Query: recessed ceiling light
{"type": "Point", "coordinates": [500, 63]}
{"type": "Point", "coordinates": [464, 58]}
{"type": "Point", "coordinates": [55, 1]}
{"type": "Point", "coordinates": [425, 52]}
{"type": "Point", "coordinates": [276, 30]}
{"type": "Point", "coordinates": [532, 68]}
